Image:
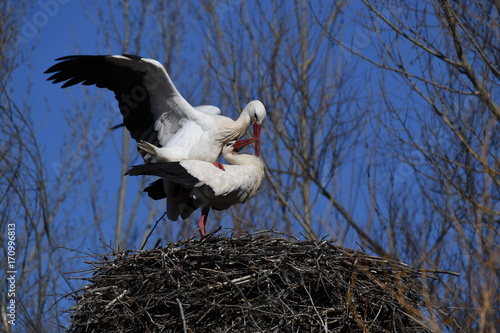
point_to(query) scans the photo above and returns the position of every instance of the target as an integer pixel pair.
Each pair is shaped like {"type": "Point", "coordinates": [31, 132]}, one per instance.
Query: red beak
{"type": "Point", "coordinates": [256, 134]}
{"type": "Point", "coordinates": [238, 145]}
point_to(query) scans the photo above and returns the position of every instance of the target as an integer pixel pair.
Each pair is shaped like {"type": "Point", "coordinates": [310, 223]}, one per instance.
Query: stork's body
{"type": "Point", "coordinates": [154, 111]}
{"type": "Point", "coordinates": [204, 184]}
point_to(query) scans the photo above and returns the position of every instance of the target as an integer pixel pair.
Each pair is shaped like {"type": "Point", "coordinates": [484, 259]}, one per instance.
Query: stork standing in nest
{"type": "Point", "coordinates": [204, 184]}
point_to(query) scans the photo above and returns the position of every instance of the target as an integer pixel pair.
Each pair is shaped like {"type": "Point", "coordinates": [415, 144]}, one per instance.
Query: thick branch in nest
{"type": "Point", "coordinates": [249, 284]}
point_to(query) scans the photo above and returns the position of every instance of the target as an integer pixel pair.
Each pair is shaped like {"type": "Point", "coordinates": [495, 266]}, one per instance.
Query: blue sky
{"type": "Point", "coordinates": [62, 28]}
{"type": "Point", "coordinates": [66, 30]}
{"type": "Point", "coordinates": [55, 28]}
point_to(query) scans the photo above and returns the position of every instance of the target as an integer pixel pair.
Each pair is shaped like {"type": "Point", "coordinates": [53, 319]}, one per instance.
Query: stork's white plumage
{"type": "Point", "coordinates": [204, 184]}
{"type": "Point", "coordinates": [154, 111]}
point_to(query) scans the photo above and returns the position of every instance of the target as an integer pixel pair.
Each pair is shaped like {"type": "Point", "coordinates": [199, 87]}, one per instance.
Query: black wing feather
{"type": "Point", "coordinates": [127, 84]}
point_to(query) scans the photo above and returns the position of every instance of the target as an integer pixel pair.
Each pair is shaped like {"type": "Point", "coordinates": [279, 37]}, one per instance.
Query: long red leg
{"type": "Point", "coordinates": [203, 220]}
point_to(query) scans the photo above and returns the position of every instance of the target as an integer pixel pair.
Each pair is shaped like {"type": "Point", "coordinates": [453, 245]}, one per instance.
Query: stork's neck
{"type": "Point", "coordinates": [230, 129]}
{"type": "Point", "coordinates": [243, 121]}
{"type": "Point", "coordinates": [242, 159]}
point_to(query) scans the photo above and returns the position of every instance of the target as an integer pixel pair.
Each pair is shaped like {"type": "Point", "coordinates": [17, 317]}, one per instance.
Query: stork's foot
{"type": "Point", "coordinates": [147, 147]}
{"type": "Point", "coordinates": [219, 165]}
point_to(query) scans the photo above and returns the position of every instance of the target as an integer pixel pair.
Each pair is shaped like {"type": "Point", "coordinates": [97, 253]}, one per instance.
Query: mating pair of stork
{"type": "Point", "coordinates": [178, 142]}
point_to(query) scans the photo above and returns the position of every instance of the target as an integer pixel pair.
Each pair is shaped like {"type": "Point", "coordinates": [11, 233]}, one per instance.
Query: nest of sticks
{"type": "Point", "coordinates": [257, 283]}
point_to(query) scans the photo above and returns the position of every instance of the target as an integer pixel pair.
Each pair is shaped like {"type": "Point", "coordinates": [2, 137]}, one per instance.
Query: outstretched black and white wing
{"type": "Point", "coordinates": [152, 108]}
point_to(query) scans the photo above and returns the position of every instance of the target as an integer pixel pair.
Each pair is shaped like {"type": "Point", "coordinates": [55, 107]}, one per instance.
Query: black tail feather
{"type": "Point", "coordinates": [156, 190]}
{"type": "Point", "coordinates": [173, 171]}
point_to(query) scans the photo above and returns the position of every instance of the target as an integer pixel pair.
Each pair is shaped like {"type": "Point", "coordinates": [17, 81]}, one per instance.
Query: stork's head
{"type": "Point", "coordinates": [257, 113]}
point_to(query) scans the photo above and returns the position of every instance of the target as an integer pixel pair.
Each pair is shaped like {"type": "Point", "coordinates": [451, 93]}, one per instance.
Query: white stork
{"type": "Point", "coordinates": [203, 184]}
{"type": "Point", "coordinates": [154, 111]}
